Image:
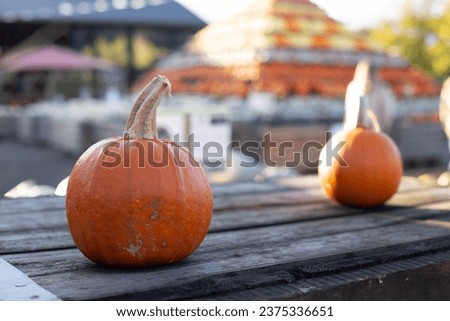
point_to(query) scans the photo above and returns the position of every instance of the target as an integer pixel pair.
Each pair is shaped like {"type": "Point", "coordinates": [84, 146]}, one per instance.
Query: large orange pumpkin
{"type": "Point", "coordinates": [136, 200]}
{"type": "Point", "coordinates": [368, 168]}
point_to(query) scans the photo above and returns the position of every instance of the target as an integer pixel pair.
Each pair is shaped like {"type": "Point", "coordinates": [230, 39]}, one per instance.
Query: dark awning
{"type": "Point", "coordinates": [119, 12]}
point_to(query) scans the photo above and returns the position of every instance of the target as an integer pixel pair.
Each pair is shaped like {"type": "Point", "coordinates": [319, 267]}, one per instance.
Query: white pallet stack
{"type": "Point", "coordinates": [65, 136]}
{"type": "Point", "coordinates": [8, 124]}
{"type": "Point", "coordinates": [25, 125]}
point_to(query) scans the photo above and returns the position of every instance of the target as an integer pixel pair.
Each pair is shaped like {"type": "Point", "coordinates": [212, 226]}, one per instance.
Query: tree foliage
{"type": "Point", "coordinates": [421, 37]}
{"type": "Point", "coordinates": [114, 48]}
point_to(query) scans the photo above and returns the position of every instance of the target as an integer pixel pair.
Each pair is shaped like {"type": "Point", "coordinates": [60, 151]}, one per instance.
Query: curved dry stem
{"type": "Point", "coordinates": [366, 117]}
{"type": "Point", "coordinates": [364, 75]}
{"type": "Point", "coordinates": [362, 120]}
{"type": "Point", "coordinates": [142, 119]}
{"type": "Point", "coordinates": [141, 98]}
{"type": "Point", "coordinates": [373, 118]}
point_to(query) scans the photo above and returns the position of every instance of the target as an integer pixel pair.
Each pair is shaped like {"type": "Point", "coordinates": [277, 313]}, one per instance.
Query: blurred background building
{"type": "Point", "coordinates": [290, 63]}
{"type": "Point", "coordinates": [130, 34]}
{"type": "Point", "coordinates": [70, 70]}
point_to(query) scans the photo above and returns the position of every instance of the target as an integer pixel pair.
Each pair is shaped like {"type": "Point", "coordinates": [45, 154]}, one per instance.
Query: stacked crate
{"type": "Point", "coordinates": [8, 124]}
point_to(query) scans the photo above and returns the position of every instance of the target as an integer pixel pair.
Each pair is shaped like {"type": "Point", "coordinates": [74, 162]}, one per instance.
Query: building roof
{"type": "Point", "coordinates": [283, 46]}
{"type": "Point", "coordinates": [121, 12]}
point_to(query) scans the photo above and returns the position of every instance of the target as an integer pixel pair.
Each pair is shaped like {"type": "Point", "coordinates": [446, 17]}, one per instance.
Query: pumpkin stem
{"type": "Point", "coordinates": [373, 118]}
{"type": "Point", "coordinates": [141, 122]}
{"type": "Point", "coordinates": [364, 75]}
{"type": "Point", "coordinates": [366, 117]}
{"type": "Point", "coordinates": [142, 95]}
{"type": "Point", "coordinates": [362, 113]}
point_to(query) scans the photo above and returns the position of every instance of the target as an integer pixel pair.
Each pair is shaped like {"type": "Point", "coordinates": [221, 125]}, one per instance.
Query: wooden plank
{"type": "Point", "coordinates": [25, 221]}
{"type": "Point", "coordinates": [48, 230]}
{"type": "Point", "coordinates": [44, 216]}
{"type": "Point", "coordinates": [417, 278]}
{"type": "Point", "coordinates": [14, 206]}
{"type": "Point", "coordinates": [408, 183]}
{"type": "Point", "coordinates": [291, 197]}
{"type": "Point", "coordinates": [39, 204]}
{"type": "Point", "coordinates": [269, 185]}
{"type": "Point", "coordinates": [273, 215]}
{"type": "Point", "coordinates": [239, 188]}
{"type": "Point", "coordinates": [16, 286]}
{"type": "Point", "coordinates": [100, 284]}
{"type": "Point", "coordinates": [73, 277]}
{"type": "Point", "coordinates": [36, 240]}
{"type": "Point", "coordinates": [305, 224]}
{"type": "Point", "coordinates": [222, 193]}
{"type": "Point", "coordinates": [421, 196]}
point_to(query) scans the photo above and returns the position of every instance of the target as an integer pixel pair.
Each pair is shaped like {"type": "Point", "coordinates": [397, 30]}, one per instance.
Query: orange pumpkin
{"type": "Point", "coordinates": [137, 201]}
{"type": "Point", "coordinates": [367, 171]}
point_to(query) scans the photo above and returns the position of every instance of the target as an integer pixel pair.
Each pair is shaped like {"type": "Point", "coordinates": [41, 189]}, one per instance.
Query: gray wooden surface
{"type": "Point", "coordinates": [272, 240]}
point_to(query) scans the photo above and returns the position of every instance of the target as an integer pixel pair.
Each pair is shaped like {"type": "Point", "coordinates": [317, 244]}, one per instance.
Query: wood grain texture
{"type": "Point", "coordinates": [46, 230]}
{"type": "Point", "coordinates": [273, 240]}
{"type": "Point", "coordinates": [74, 278]}
{"type": "Point", "coordinates": [417, 278]}
{"type": "Point", "coordinates": [301, 183]}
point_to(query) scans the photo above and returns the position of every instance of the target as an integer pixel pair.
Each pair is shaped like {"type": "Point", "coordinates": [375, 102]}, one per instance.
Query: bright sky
{"type": "Point", "coordinates": [354, 14]}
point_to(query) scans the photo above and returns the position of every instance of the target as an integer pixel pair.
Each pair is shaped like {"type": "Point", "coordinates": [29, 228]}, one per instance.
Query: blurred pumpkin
{"type": "Point", "coordinates": [367, 169]}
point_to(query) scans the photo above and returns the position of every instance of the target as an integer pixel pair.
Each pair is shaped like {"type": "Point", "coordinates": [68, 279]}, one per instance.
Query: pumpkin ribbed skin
{"type": "Point", "coordinates": [132, 215]}
{"type": "Point", "coordinates": [373, 173]}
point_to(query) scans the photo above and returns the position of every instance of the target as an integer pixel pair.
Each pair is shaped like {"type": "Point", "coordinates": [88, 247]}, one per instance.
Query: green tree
{"type": "Point", "coordinates": [145, 52]}
{"type": "Point", "coordinates": [421, 37]}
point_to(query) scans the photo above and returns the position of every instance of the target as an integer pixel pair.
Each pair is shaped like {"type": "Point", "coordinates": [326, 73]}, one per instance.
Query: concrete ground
{"type": "Point", "coordinates": [21, 162]}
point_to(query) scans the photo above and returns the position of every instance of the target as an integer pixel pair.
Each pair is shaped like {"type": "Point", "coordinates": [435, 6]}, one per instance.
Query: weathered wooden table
{"type": "Point", "coordinates": [273, 240]}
